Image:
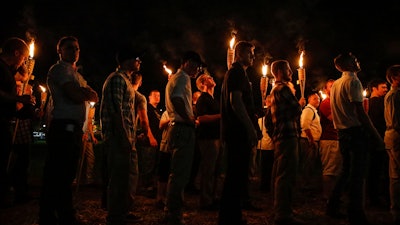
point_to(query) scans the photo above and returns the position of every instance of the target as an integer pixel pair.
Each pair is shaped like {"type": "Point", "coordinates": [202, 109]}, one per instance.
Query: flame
{"type": "Point", "coordinates": [323, 95]}
{"type": "Point", "coordinates": [232, 43]}
{"type": "Point", "coordinates": [31, 49]}
{"type": "Point", "coordinates": [264, 70]}
{"type": "Point", "coordinates": [365, 93]}
{"type": "Point", "coordinates": [301, 59]}
{"type": "Point", "coordinates": [92, 104]}
{"type": "Point", "coordinates": [167, 70]}
{"type": "Point", "coordinates": [42, 88]}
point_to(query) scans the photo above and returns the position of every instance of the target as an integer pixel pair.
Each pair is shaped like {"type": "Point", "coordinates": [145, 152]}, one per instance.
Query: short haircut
{"type": "Point", "coordinates": [12, 44]}
{"type": "Point", "coordinates": [392, 71]}
{"type": "Point", "coordinates": [65, 40]}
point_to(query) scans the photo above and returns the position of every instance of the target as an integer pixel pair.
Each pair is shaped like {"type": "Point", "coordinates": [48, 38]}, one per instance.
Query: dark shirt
{"type": "Point", "coordinates": [8, 91]}
{"type": "Point", "coordinates": [376, 114]}
{"type": "Point", "coordinates": [235, 80]}
{"type": "Point", "coordinates": [154, 115]}
{"type": "Point", "coordinates": [207, 105]}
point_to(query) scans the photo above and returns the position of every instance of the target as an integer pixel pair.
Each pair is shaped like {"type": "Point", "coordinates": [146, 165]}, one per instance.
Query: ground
{"type": "Point", "coordinates": [309, 206]}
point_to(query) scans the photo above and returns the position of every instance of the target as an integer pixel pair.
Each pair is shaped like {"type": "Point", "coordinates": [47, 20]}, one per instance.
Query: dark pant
{"type": "Point", "coordinates": [236, 181]}
{"type": "Point", "coordinates": [64, 141]}
{"type": "Point", "coordinates": [353, 145]}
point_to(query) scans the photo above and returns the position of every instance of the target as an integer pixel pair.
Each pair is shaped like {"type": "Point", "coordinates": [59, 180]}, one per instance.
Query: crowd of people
{"type": "Point", "coordinates": [333, 146]}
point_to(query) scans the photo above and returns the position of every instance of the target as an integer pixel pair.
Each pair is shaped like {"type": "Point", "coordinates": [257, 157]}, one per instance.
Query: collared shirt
{"type": "Point", "coordinates": [118, 99]}
{"type": "Point", "coordinates": [310, 120]}
{"type": "Point", "coordinates": [346, 90]}
{"type": "Point", "coordinates": [64, 107]}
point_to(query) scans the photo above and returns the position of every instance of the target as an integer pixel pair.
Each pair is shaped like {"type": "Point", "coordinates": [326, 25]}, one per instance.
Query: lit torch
{"type": "Point", "coordinates": [30, 63]}
{"type": "Point", "coordinates": [169, 71]}
{"type": "Point", "coordinates": [231, 51]}
{"type": "Point", "coordinates": [264, 82]}
{"type": "Point", "coordinates": [43, 96]}
{"type": "Point", "coordinates": [365, 101]}
{"type": "Point", "coordinates": [301, 74]}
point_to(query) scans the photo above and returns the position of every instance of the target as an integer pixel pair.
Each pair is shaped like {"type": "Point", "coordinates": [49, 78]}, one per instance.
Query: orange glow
{"type": "Point", "coordinates": [264, 70]}
{"type": "Point", "coordinates": [31, 49]}
{"type": "Point", "coordinates": [167, 70]}
{"type": "Point", "coordinates": [232, 43]}
{"type": "Point", "coordinates": [42, 88]}
{"type": "Point", "coordinates": [301, 59]}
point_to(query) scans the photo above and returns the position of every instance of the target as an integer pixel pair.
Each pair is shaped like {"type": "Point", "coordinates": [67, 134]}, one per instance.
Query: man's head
{"type": "Point", "coordinates": [154, 97]}
{"type": "Point", "coordinates": [281, 70]}
{"type": "Point", "coordinates": [68, 49]}
{"type": "Point", "coordinates": [129, 58]}
{"type": "Point", "coordinates": [347, 63]}
{"type": "Point", "coordinates": [205, 81]}
{"type": "Point", "coordinates": [244, 53]}
{"type": "Point", "coordinates": [313, 99]}
{"type": "Point", "coordinates": [192, 63]}
{"type": "Point", "coordinates": [393, 75]}
{"type": "Point", "coordinates": [15, 52]}
{"type": "Point", "coordinates": [328, 87]}
{"type": "Point", "coordinates": [378, 87]}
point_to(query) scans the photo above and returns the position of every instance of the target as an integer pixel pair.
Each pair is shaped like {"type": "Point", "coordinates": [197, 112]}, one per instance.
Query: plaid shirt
{"type": "Point", "coordinates": [118, 98]}
{"type": "Point", "coordinates": [24, 132]}
{"type": "Point", "coordinates": [286, 112]}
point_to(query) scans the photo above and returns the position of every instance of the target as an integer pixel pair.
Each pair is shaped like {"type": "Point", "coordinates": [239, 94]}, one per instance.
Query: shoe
{"type": "Point", "coordinates": [289, 221]}
{"type": "Point", "coordinates": [132, 218]}
{"type": "Point", "coordinates": [251, 207]}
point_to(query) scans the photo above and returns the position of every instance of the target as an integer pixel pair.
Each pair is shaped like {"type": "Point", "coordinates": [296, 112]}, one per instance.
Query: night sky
{"type": "Point", "coordinates": [164, 29]}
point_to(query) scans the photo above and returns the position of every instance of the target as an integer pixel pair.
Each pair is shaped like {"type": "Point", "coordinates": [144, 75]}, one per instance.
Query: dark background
{"type": "Point", "coordinates": [164, 29]}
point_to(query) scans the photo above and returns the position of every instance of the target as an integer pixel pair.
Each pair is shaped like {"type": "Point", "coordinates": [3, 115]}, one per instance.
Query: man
{"type": "Point", "coordinates": [117, 114]}
{"type": "Point", "coordinates": [377, 179]}
{"type": "Point", "coordinates": [285, 113]}
{"type": "Point", "coordinates": [355, 130]}
{"type": "Point", "coordinates": [208, 140]}
{"type": "Point", "coordinates": [238, 134]}
{"type": "Point", "coordinates": [181, 134]}
{"type": "Point", "coordinates": [69, 92]}
{"type": "Point", "coordinates": [154, 115]}
{"type": "Point", "coordinates": [309, 162]}
{"type": "Point", "coordinates": [144, 137]}
{"type": "Point", "coordinates": [12, 57]}
{"type": "Point", "coordinates": [331, 158]}
{"type": "Point", "coordinates": [392, 139]}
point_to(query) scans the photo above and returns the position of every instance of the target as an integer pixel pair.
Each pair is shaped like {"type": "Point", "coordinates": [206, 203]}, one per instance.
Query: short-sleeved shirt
{"type": "Point", "coordinates": [63, 106]}
{"type": "Point", "coordinates": [179, 85]}
{"type": "Point", "coordinates": [346, 90]}
{"type": "Point", "coordinates": [207, 105]}
{"type": "Point", "coordinates": [235, 80]}
{"type": "Point", "coordinates": [310, 120]}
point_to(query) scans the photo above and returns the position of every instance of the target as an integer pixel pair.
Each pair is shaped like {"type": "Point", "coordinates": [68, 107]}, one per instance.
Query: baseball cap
{"type": "Point", "coordinates": [128, 53]}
